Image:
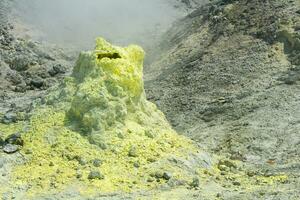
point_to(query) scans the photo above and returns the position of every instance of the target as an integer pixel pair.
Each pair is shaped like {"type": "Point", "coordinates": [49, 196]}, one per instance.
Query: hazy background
{"type": "Point", "coordinates": [79, 22]}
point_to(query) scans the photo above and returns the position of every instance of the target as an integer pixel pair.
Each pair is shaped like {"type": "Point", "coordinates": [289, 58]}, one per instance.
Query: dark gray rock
{"type": "Point", "coordinates": [37, 82]}
{"type": "Point", "coordinates": [20, 63]}
{"type": "Point", "coordinates": [57, 69]}
{"type": "Point", "coordinates": [95, 175]}
{"type": "Point", "coordinates": [167, 175]}
{"type": "Point", "coordinates": [97, 162]}
{"type": "Point", "coordinates": [15, 139]}
{"type": "Point", "coordinates": [80, 160]}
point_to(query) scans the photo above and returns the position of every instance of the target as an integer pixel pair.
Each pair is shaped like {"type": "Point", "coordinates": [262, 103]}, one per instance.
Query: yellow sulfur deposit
{"type": "Point", "coordinates": [98, 133]}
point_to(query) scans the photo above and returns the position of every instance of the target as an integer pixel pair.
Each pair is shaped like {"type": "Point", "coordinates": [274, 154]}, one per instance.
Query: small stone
{"type": "Point", "coordinates": [57, 69]}
{"type": "Point", "coordinates": [51, 164]}
{"type": "Point", "coordinates": [195, 183]}
{"type": "Point", "coordinates": [97, 162]}
{"type": "Point", "coordinates": [132, 152]}
{"type": "Point", "coordinates": [20, 63]}
{"type": "Point", "coordinates": [15, 139]}
{"type": "Point", "coordinates": [37, 82]}
{"type": "Point", "coordinates": [167, 175]}
{"type": "Point", "coordinates": [79, 159]}
{"type": "Point", "coordinates": [95, 175]}
{"type": "Point", "coordinates": [10, 148]}
{"type": "Point", "coordinates": [9, 117]}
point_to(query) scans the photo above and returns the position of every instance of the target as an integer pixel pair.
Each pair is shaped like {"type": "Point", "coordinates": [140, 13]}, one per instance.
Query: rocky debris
{"type": "Point", "coordinates": [167, 175]}
{"type": "Point", "coordinates": [27, 67]}
{"type": "Point", "coordinates": [95, 175]}
{"type": "Point", "coordinates": [57, 69]}
{"type": "Point", "coordinates": [15, 139]}
{"type": "Point", "coordinates": [9, 117]}
{"type": "Point", "coordinates": [97, 162]}
{"type": "Point", "coordinates": [12, 143]}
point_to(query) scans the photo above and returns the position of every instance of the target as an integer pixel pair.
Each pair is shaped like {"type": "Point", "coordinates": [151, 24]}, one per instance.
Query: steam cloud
{"type": "Point", "coordinates": [79, 22]}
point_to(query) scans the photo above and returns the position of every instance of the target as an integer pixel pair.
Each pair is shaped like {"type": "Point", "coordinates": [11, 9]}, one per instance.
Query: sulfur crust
{"type": "Point", "coordinates": [101, 112]}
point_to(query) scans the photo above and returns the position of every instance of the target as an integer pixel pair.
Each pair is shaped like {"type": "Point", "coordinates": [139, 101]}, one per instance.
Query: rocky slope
{"type": "Point", "coordinates": [228, 77]}
{"type": "Point", "coordinates": [28, 68]}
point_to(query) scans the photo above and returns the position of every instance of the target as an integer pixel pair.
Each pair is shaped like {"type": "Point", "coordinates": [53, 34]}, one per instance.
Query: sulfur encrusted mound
{"type": "Point", "coordinates": [98, 133]}
{"type": "Point", "coordinates": [110, 94]}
